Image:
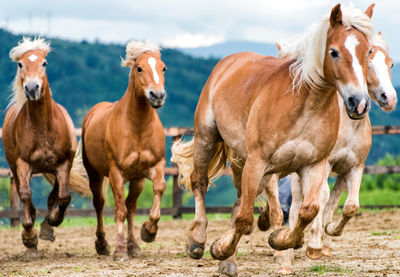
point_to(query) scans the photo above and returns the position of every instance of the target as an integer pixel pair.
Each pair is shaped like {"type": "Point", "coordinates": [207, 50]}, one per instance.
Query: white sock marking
{"type": "Point", "coordinates": [152, 62]}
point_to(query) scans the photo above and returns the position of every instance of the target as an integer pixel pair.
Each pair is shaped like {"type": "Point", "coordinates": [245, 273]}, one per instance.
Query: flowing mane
{"type": "Point", "coordinates": [26, 44]}
{"type": "Point", "coordinates": [379, 40]}
{"type": "Point", "coordinates": [308, 49]}
{"type": "Point", "coordinates": [134, 49]}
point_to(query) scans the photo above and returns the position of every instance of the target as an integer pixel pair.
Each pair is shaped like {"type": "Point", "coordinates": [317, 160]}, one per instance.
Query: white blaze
{"type": "Point", "coordinates": [350, 44]}
{"type": "Point", "coordinates": [32, 57]}
{"type": "Point", "coordinates": [382, 73]}
{"type": "Point", "coordinates": [152, 62]}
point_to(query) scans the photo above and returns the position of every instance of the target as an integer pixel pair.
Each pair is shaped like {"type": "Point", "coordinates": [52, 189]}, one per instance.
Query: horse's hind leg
{"type": "Point", "coordinates": [272, 215]}
{"type": "Point", "coordinates": [29, 235]}
{"type": "Point", "coordinates": [205, 142]}
{"type": "Point", "coordinates": [149, 228]}
{"type": "Point", "coordinates": [350, 208]}
{"type": "Point", "coordinates": [135, 188]}
{"type": "Point", "coordinates": [56, 214]}
{"type": "Point", "coordinates": [229, 266]}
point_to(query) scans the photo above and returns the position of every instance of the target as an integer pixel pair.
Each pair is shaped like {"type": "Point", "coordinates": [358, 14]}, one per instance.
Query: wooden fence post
{"type": "Point", "coordinates": [14, 203]}
{"type": "Point", "coordinates": [176, 191]}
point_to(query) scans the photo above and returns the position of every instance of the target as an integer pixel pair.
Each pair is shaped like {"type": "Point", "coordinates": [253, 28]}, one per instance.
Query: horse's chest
{"type": "Point", "coordinates": [137, 162]}
{"type": "Point", "coordinates": [44, 158]}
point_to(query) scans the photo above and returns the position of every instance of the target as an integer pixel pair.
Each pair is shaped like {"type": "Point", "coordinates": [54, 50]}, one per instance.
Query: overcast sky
{"type": "Point", "coordinates": [180, 23]}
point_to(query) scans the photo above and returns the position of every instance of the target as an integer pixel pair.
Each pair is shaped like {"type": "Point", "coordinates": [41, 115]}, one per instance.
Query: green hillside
{"type": "Point", "coordinates": [82, 74]}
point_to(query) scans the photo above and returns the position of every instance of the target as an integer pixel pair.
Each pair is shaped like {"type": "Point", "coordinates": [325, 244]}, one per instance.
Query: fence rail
{"type": "Point", "coordinates": [14, 213]}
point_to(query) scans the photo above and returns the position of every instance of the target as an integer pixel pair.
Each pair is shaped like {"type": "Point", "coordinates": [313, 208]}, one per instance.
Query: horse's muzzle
{"type": "Point", "coordinates": [32, 91]}
{"type": "Point", "coordinates": [357, 106]}
{"type": "Point", "coordinates": [156, 98]}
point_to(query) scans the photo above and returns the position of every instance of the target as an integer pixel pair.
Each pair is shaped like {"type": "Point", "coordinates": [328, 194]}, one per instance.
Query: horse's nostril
{"type": "Point", "coordinates": [383, 97]}
{"type": "Point", "coordinates": [36, 87]}
{"type": "Point", "coordinates": [352, 102]}
{"type": "Point", "coordinates": [152, 93]}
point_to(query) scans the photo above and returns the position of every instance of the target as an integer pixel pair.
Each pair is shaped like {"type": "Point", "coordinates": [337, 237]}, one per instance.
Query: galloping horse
{"type": "Point", "coordinates": [347, 161]}
{"type": "Point", "coordinates": [125, 142]}
{"type": "Point", "coordinates": [272, 116]}
{"type": "Point", "coordinates": [38, 137]}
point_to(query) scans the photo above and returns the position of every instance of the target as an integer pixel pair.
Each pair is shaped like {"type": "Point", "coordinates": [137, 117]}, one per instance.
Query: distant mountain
{"type": "Point", "coordinates": [224, 49]}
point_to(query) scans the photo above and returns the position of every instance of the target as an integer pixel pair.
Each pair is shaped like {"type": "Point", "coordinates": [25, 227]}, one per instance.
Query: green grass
{"type": "Point", "coordinates": [322, 269]}
{"type": "Point", "coordinates": [379, 233]}
{"type": "Point", "coordinates": [376, 197]}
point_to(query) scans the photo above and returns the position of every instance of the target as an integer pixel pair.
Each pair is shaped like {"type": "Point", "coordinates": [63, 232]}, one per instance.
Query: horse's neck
{"type": "Point", "coordinates": [320, 99]}
{"type": "Point", "coordinates": [40, 112]}
{"type": "Point", "coordinates": [135, 108]}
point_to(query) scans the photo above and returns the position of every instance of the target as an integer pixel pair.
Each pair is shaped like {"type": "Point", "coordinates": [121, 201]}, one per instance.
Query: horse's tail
{"type": "Point", "coordinates": [182, 155]}
{"type": "Point", "coordinates": [78, 181]}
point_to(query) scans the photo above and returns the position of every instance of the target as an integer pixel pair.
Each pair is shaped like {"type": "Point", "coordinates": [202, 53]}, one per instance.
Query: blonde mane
{"type": "Point", "coordinates": [379, 40]}
{"type": "Point", "coordinates": [26, 44]}
{"type": "Point", "coordinates": [134, 49]}
{"type": "Point", "coordinates": [308, 49]}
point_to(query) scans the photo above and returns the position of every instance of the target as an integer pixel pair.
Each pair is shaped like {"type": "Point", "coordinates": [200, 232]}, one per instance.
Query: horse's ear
{"type": "Point", "coordinates": [380, 33]}
{"type": "Point", "coordinates": [278, 46]}
{"type": "Point", "coordinates": [336, 16]}
{"type": "Point", "coordinates": [370, 10]}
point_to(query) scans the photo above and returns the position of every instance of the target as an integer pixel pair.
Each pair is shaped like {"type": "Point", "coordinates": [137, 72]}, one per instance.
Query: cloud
{"type": "Point", "coordinates": [182, 23]}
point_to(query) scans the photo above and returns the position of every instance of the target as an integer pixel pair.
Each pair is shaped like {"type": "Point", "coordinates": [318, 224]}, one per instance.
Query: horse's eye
{"type": "Point", "coordinates": [44, 63]}
{"type": "Point", "coordinates": [369, 52]}
{"type": "Point", "coordinates": [334, 53]}
{"type": "Point", "coordinates": [392, 65]}
{"type": "Point", "coordinates": [139, 69]}
{"type": "Point", "coordinates": [165, 68]}
{"type": "Point", "coordinates": [19, 64]}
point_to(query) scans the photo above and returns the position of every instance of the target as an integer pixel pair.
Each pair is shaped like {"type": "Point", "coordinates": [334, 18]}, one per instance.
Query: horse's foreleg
{"type": "Point", "coordinates": [253, 173]}
{"type": "Point", "coordinates": [120, 211]}
{"type": "Point", "coordinates": [330, 208]}
{"type": "Point", "coordinates": [285, 259]}
{"type": "Point", "coordinates": [149, 228]}
{"type": "Point", "coordinates": [56, 215]}
{"type": "Point", "coordinates": [135, 188]}
{"type": "Point", "coordinates": [314, 246]}
{"type": "Point", "coordinates": [353, 182]}
{"type": "Point", "coordinates": [311, 179]}
{"type": "Point", "coordinates": [29, 235]}
{"type": "Point", "coordinates": [46, 230]}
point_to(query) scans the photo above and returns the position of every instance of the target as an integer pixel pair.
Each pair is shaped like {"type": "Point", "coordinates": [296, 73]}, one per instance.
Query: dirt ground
{"type": "Point", "coordinates": [370, 246]}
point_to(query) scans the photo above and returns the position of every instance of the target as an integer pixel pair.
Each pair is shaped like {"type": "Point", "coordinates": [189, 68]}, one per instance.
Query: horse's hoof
{"type": "Point", "coordinates": [279, 240]}
{"type": "Point", "coordinates": [227, 268]}
{"type": "Point", "coordinates": [29, 240]}
{"type": "Point", "coordinates": [313, 253]}
{"type": "Point", "coordinates": [326, 251]}
{"type": "Point", "coordinates": [330, 230]}
{"type": "Point", "coordinates": [102, 247]}
{"type": "Point", "coordinates": [285, 270]}
{"type": "Point", "coordinates": [146, 236]}
{"type": "Point", "coordinates": [46, 232]}
{"type": "Point", "coordinates": [120, 256]}
{"type": "Point", "coordinates": [195, 250]}
{"type": "Point", "coordinates": [218, 254]}
{"type": "Point", "coordinates": [263, 223]}
{"type": "Point", "coordinates": [134, 250]}
{"type": "Point", "coordinates": [30, 254]}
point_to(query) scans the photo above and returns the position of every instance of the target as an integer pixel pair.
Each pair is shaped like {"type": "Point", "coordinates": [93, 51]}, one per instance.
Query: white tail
{"type": "Point", "coordinates": [78, 180]}
{"type": "Point", "coordinates": [182, 155]}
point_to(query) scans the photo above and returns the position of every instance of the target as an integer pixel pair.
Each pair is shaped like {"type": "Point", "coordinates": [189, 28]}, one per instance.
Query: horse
{"type": "Point", "coordinates": [38, 137]}
{"type": "Point", "coordinates": [265, 115]}
{"type": "Point", "coordinates": [125, 141]}
{"type": "Point", "coordinates": [347, 161]}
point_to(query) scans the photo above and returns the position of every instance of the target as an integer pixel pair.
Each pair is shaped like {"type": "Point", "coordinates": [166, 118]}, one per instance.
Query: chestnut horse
{"type": "Point", "coordinates": [124, 141]}
{"type": "Point", "coordinates": [38, 137]}
{"type": "Point", "coordinates": [266, 114]}
{"type": "Point", "coordinates": [347, 161]}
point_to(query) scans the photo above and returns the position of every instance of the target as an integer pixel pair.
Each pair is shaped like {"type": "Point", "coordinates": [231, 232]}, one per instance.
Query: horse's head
{"type": "Point", "coordinates": [346, 62]}
{"type": "Point", "coordinates": [379, 76]}
{"type": "Point", "coordinates": [147, 70]}
{"type": "Point", "coordinates": [30, 56]}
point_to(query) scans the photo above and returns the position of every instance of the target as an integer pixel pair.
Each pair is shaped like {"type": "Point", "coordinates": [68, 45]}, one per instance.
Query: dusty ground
{"type": "Point", "coordinates": [370, 246]}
